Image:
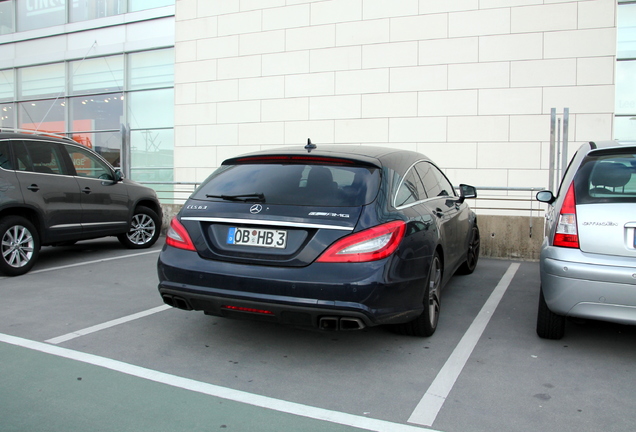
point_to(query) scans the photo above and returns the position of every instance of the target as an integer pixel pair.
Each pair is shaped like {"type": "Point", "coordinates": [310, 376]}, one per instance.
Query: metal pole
{"type": "Point", "coordinates": [557, 159]}
{"type": "Point", "coordinates": [552, 147]}
{"type": "Point", "coordinates": [124, 155]}
{"type": "Point", "coordinates": [564, 152]}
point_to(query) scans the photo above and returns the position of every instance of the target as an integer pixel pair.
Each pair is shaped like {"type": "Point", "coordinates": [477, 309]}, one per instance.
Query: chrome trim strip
{"type": "Point", "coordinates": [105, 223]}
{"type": "Point", "coordinates": [267, 223]}
{"type": "Point", "coordinates": [66, 226]}
{"type": "Point", "coordinates": [80, 225]}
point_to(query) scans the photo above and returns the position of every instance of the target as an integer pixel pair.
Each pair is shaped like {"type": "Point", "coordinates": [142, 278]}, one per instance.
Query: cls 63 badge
{"type": "Point", "coordinates": [196, 207]}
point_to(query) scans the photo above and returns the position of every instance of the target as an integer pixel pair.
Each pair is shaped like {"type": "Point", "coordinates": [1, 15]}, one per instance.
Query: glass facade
{"type": "Point", "coordinates": [625, 121]}
{"type": "Point", "coordinates": [92, 99]}
{"type": "Point", "coordinates": [23, 15]}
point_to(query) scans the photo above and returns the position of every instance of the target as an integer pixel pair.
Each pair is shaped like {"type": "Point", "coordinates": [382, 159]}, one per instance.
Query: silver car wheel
{"type": "Point", "coordinates": [18, 246]}
{"type": "Point", "coordinates": [142, 229]}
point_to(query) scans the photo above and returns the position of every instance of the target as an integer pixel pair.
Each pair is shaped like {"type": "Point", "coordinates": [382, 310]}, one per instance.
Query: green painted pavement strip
{"type": "Point", "coordinates": [44, 392]}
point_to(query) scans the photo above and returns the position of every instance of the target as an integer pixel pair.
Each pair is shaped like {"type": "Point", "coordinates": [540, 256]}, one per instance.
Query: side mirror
{"type": "Point", "coordinates": [546, 196]}
{"type": "Point", "coordinates": [119, 176]}
{"type": "Point", "coordinates": [466, 191]}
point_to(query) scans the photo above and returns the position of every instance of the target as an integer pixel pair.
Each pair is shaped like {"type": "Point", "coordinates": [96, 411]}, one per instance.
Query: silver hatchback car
{"type": "Point", "coordinates": [588, 257]}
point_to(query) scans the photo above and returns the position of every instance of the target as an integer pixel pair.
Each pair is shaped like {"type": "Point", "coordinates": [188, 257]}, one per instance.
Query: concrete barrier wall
{"type": "Point", "coordinates": [510, 237]}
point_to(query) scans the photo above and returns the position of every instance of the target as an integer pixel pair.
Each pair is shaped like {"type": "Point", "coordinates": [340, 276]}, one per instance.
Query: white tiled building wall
{"type": "Point", "coordinates": [469, 83]}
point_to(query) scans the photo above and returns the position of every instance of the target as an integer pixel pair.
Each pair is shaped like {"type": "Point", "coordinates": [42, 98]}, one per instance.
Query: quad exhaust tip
{"type": "Point", "coordinates": [176, 302]}
{"type": "Point", "coordinates": [340, 323]}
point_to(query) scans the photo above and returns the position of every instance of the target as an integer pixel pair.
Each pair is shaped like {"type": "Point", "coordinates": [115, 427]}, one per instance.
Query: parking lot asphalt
{"type": "Point", "coordinates": [86, 344]}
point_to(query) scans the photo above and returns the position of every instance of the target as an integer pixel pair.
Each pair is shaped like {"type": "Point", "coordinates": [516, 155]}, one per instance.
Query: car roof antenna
{"type": "Point", "coordinates": [309, 147]}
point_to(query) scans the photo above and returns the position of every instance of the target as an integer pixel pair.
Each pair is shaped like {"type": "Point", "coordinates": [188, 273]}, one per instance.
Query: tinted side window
{"type": "Point", "coordinates": [87, 164]}
{"type": "Point", "coordinates": [38, 156]}
{"type": "Point", "coordinates": [435, 182]}
{"type": "Point", "coordinates": [411, 190]}
{"type": "Point", "coordinates": [5, 156]}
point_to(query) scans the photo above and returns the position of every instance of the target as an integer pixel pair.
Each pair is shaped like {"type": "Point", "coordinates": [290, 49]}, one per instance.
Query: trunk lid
{"type": "Point", "coordinates": [281, 235]}
{"type": "Point", "coordinates": [607, 228]}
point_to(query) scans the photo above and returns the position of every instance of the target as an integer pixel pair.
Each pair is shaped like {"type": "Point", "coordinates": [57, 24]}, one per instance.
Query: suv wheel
{"type": "Point", "coordinates": [144, 230]}
{"type": "Point", "coordinates": [549, 324]}
{"type": "Point", "coordinates": [20, 245]}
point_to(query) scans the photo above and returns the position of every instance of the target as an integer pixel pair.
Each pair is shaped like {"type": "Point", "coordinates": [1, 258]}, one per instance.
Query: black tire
{"type": "Point", "coordinates": [426, 323]}
{"type": "Point", "coordinates": [19, 245]}
{"type": "Point", "coordinates": [145, 228]}
{"type": "Point", "coordinates": [472, 254]}
{"type": "Point", "coordinates": [549, 324]}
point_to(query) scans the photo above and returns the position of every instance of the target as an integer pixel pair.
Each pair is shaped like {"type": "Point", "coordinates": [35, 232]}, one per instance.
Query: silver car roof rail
{"type": "Point", "coordinates": [38, 133]}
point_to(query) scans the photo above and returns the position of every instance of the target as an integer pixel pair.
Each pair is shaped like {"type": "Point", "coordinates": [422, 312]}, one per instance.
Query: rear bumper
{"type": "Point", "coordinates": [296, 296]}
{"type": "Point", "coordinates": [587, 290]}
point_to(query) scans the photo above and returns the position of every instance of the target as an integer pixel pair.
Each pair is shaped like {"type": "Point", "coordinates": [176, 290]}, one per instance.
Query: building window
{"type": "Point", "coordinates": [6, 17]}
{"type": "Point", "coordinates": [625, 122]}
{"type": "Point", "coordinates": [151, 69]}
{"type": "Point", "coordinates": [38, 14]}
{"type": "Point", "coordinates": [7, 85]}
{"type": "Point", "coordinates": [41, 81]}
{"type": "Point", "coordinates": [44, 115]}
{"type": "Point", "coordinates": [91, 99]}
{"type": "Point", "coordinates": [104, 74]}
{"type": "Point", "coordinates": [137, 5]}
{"type": "Point", "coordinates": [82, 10]}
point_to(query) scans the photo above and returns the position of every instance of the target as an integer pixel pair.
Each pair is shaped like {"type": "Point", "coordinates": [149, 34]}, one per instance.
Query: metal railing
{"type": "Point", "coordinates": [507, 199]}
{"type": "Point", "coordinates": [490, 199]}
{"type": "Point", "coordinates": [172, 192]}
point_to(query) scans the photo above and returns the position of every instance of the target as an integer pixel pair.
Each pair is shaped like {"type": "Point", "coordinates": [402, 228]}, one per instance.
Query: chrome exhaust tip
{"type": "Point", "coordinates": [348, 323]}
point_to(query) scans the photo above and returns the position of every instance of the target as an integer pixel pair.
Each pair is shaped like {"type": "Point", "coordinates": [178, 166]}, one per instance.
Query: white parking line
{"type": "Point", "coordinates": [94, 261]}
{"type": "Point", "coordinates": [98, 327]}
{"type": "Point", "coordinates": [217, 391]}
{"type": "Point", "coordinates": [426, 411]}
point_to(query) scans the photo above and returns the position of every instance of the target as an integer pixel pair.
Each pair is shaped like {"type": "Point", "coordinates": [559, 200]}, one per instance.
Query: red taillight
{"type": "Point", "coordinates": [250, 310]}
{"type": "Point", "coordinates": [369, 245]}
{"type": "Point", "coordinates": [178, 237]}
{"type": "Point", "coordinates": [567, 234]}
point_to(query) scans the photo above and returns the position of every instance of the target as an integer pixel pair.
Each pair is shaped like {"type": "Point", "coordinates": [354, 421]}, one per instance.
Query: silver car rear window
{"type": "Point", "coordinates": [295, 184]}
{"type": "Point", "coordinates": [607, 178]}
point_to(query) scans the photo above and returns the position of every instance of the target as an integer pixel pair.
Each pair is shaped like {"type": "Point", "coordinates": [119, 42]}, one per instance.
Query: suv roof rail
{"type": "Point", "coordinates": [35, 132]}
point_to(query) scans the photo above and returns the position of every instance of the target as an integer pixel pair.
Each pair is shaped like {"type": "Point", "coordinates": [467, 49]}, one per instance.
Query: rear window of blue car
{"type": "Point", "coordinates": [607, 177]}
{"type": "Point", "coordinates": [295, 183]}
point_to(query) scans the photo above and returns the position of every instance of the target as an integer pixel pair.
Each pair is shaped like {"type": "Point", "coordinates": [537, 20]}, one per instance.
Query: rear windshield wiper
{"type": "Point", "coordinates": [256, 197]}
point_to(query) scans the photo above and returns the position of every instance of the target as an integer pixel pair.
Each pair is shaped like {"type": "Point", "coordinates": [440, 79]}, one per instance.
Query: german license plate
{"type": "Point", "coordinates": [257, 237]}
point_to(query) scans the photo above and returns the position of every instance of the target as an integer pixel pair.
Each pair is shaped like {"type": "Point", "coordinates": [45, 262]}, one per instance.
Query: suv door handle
{"type": "Point", "coordinates": [33, 188]}
{"type": "Point", "coordinates": [86, 190]}
{"type": "Point", "coordinates": [438, 212]}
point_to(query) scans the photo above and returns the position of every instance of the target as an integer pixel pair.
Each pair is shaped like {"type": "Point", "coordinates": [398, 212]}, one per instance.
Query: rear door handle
{"type": "Point", "coordinates": [33, 188]}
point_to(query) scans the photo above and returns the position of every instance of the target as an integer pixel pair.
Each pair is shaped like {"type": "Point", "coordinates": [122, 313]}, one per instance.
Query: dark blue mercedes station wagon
{"type": "Point", "coordinates": [336, 237]}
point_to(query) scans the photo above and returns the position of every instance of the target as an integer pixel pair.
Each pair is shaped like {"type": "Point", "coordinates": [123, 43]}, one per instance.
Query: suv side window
{"type": "Point", "coordinates": [5, 156]}
{"type": "Point", "coordinates": [38, 156]}
{"type": "Point", "coordinates": [435, 182]}
{"type": "Point", "coordinates": [87, 165]}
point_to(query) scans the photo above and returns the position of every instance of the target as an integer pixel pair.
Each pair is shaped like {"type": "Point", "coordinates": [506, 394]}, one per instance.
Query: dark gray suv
{"type": "Point", "coordinates": [55, 191]}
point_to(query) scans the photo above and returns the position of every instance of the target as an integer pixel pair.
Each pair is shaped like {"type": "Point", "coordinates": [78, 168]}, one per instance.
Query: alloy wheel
{"type": "Point", "coordinates": [18, 246]}
{"type": "Point", "coordinates": [142, 229]}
